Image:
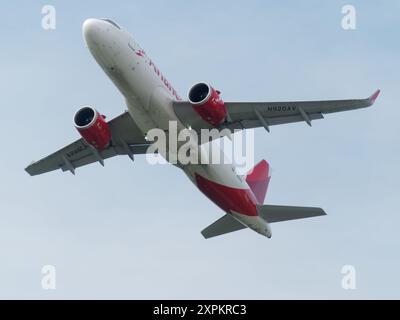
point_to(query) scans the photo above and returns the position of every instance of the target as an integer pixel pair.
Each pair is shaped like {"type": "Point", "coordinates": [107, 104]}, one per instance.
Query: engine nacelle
{"type": "Point", "coordinates": [208, 104]}
{"type": "Point", "coordinates": [92, 127]}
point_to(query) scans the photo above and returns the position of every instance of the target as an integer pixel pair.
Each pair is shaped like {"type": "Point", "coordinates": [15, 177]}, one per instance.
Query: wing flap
{"type": "Point", "coordinates": [251, 124]}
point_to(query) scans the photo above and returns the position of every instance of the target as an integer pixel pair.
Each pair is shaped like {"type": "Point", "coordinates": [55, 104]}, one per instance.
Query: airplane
{"type": "Point", "coordinates": [152, 102]}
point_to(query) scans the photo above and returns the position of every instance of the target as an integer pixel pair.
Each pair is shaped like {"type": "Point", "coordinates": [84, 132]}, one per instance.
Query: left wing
{"type": "Point", "coordinates": [127, 139]}
{"type": "Point", "coordinates": [246, 115]}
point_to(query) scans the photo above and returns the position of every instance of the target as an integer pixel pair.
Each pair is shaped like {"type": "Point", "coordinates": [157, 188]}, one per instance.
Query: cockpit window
{"type": "Point", "coordinates": [112, 22]}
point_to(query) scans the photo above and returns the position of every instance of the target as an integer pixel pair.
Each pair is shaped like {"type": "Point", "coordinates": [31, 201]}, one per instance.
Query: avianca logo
{"type": "Point", "coordinates": [140, 53]}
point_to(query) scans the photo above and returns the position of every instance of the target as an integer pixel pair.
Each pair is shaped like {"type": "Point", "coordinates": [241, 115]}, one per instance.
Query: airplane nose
{"type": "Point", "coordinates": [91, 30]}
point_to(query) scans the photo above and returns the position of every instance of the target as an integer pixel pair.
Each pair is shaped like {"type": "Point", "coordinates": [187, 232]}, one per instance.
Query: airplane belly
{"type": "Point", "coordinates": [256, 223]}
{"type": "Point", "coordinates": [223, 187]}
{"type": "Point", "coordinates": [140, 115]}
{"type": "Point", "coordinates": [234, 198]}
{"type": "Point", "coordinates": [161, 111]}
{"type": "Point", "coordinates": [227, 198]}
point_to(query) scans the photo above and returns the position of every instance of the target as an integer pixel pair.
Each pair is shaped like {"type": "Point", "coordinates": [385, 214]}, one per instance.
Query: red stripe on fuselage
{"type": "Point", "coordinates": [227, 198]}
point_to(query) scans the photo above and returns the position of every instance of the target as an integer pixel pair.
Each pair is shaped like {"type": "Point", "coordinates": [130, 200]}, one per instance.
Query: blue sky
{"type": "Point", "coordinates": [131, 230]}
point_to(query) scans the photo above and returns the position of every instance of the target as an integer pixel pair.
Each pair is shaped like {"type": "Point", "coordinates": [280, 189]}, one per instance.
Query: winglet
{"type": "Point", "coordinates": [374, 96]}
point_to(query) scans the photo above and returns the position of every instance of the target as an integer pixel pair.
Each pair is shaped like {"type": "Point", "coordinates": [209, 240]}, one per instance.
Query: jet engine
{"type": "Point", "coordinates": [207, 103]}
{"type": "Point", "coordinates": [92, 127]}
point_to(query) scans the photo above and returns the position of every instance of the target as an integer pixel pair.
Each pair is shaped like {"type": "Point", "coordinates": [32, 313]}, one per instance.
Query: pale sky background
{"type": "Point", "coordinates": [131, 230]}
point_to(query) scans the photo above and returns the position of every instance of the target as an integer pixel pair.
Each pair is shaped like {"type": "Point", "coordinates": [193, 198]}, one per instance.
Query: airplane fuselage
{"type": "Point", "coordinates": [149, 97]}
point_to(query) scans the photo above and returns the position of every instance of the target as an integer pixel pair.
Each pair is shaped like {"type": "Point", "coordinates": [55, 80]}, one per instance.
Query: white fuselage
{"type": "Point", "coordinates": [149, 97]}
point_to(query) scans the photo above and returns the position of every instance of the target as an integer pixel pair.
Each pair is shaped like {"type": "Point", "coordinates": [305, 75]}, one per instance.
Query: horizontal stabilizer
{"type": "Point", "coordinates": [224, 225]}
{"type": "Point", "coordinates": [284, 213]}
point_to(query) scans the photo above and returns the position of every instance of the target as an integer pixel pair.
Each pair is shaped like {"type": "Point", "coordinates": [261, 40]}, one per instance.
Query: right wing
{"type": "Point", "coordinates": [247, 115]}
{"type": "Point", "coordinates": [127, 139]}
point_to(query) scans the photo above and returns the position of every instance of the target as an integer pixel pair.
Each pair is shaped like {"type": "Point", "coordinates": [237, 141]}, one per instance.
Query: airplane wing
{"type": "Point", "coordinates": [127, 139]}
{"type": "Point", "coordinates": [246, 115]}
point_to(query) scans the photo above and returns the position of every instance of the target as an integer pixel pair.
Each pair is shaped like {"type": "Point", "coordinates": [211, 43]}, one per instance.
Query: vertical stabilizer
{"type": "Point", "coordinates": [258, 180]}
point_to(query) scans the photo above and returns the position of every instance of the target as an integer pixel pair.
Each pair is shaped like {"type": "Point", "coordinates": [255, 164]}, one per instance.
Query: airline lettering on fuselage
{"type": "Point", "coordinates": [281, 108]}
{"type": "Point", "coordinates": [164, 80]}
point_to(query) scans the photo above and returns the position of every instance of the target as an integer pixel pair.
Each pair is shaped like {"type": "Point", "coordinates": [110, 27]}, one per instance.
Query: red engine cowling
{"type": "Point", "coordinates": [208, 104]}
{"type": "Point", "coordinates": [92, 127]}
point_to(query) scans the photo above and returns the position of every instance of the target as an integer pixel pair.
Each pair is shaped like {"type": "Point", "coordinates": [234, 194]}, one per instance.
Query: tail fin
{"type": "Point", "coordinates": [258, 180]}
